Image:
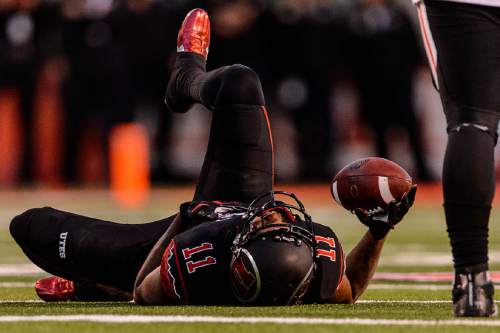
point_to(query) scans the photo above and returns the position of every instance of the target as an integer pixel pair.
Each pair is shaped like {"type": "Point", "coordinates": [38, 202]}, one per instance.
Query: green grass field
{"type": "Point", "coordinates": [419, 244]}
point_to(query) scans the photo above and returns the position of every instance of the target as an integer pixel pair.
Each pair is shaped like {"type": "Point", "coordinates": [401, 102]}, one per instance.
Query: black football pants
{"type": "Point", "coordinates": [85, 249]}
{"type": "Point", "coordinates": [238, 166]}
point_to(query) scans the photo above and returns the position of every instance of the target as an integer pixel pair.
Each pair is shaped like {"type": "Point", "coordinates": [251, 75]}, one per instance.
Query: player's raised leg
{"type": "Point", "coordinates": [238, 164]}
{"type": "Point", "coordinates": [239, 160]}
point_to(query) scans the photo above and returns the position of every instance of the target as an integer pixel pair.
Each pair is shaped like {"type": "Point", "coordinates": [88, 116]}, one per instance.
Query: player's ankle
{"type": "Point", "coordinates": [188, 60]}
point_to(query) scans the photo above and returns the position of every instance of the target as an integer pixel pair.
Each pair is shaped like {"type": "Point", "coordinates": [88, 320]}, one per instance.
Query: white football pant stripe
{"type": "Point", "coordinates": [428, 41]}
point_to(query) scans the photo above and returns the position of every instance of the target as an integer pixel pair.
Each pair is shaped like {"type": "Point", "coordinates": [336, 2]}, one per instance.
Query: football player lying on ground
{"type": "Point", "coordinates": [237, 242]}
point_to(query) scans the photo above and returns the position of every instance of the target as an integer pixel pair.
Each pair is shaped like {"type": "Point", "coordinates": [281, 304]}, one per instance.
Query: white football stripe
{"type": "Point", "coordinates": [385, 191]}
{"type": "Point", "coordinates": [428, 40]}
{"type": "Point", "coordinates": [336, 193]}
{"type": "Point", "coordinates": [248, 320]}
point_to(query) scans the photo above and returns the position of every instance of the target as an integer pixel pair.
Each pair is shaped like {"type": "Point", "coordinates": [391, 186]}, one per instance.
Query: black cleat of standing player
{"type": "Point", "coordinates": [473, 293]}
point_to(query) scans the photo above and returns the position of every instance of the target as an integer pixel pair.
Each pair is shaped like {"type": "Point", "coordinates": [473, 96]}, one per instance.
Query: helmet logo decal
{"type": "Point", "coordinates": [245, 279]}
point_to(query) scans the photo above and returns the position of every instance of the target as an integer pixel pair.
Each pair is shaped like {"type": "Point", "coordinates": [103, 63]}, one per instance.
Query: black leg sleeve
{"type": "Point", "coordinates": [84, 249]}
{"type": "Point", "coordinates": [468, 186]}
{"type": "Point", "coordinates": [228, 85]}
{"type": "Point", "coordinates": [239, 163]}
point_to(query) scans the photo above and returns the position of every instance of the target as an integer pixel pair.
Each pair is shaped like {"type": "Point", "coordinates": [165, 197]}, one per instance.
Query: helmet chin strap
{"type": "Point", "coordinates": [301, 289]}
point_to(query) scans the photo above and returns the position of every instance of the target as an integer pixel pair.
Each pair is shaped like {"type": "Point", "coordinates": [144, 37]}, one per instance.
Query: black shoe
{"type": "Point", "coordinates": [473, 293]}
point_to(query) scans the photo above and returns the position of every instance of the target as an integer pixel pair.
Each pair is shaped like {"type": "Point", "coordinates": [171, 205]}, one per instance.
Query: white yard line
{"type": "Point", "coordinates": [364, 301]}
{"type": "Point", "coordinates": [373, 286]}
{"type": "Point", "coordinates": [402, 301]}
{"type": "Point", "coordinates": [28, 301]}
{"type": "Point", "coordinates": [17, 285]}
{"type": "Point", "coordinates": [246, 320]}
{"type": "Point", "coordinates": [413, 258]}
{"type": "Point", "coordinates": [388, 286]}
{"type": "Point", "coordinates": [19, 269]}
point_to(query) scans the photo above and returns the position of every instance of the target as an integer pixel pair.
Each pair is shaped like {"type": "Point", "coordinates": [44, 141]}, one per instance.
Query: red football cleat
{"type": "Point", "coordinates": [55, 289]}
{"type": "Point", "coordinates": [194, 35]}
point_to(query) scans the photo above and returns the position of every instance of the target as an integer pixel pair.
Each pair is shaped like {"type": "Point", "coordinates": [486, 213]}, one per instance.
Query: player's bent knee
{"type": "Point", "coordinates": [19, 226]}
{"type": "Point", "coordinates": [240, 85]}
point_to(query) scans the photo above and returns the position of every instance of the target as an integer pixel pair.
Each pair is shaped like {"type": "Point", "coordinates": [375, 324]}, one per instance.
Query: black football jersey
{"type": "Point", "coordinates": [195, 265]}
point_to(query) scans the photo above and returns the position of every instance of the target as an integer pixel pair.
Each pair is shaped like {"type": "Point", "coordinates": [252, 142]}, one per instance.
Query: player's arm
{"type": "Point", "coordinates": [361, 263]}
{"type": "Point", "coordinates": [147, 288]}
{"type": "Point", "coordinates": [362, 260]}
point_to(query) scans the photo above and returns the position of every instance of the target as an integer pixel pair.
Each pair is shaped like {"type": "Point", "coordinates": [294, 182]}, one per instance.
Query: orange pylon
{"type": "Point", "coordinates": [129, 165]}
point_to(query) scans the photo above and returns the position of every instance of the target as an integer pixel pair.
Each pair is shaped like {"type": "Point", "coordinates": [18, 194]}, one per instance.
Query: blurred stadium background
{"type": "Point", "coordinates": [343, 79]}
{"type": "Point", "coordinates": [81, 112]}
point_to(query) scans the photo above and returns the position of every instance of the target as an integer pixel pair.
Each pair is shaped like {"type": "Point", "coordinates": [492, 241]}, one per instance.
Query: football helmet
{"type": "Point", "coordinates": [273, 263]}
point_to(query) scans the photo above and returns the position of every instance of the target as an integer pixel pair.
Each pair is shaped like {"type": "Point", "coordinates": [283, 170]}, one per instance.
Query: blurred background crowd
{"type": "Point", "coordinates": [342, 78]}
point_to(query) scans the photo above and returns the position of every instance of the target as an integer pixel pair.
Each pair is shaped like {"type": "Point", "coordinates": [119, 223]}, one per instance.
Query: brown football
{"type": "Point", "coordinates": [370, 183]}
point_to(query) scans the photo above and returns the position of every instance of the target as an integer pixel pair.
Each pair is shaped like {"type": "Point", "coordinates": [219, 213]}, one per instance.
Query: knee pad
{"type": "Point", "coordinates": [491, 131]}
{"type": "Point", "coordinates": [468, 117]}
{"type": "Point", "coordinates": [240, 85]}
{"type": "Point", "coordinates": [19, 225]}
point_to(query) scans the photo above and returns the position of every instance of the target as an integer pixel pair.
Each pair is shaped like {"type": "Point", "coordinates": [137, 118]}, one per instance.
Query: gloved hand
{"type": "Point", "coordinates": [381, 224]}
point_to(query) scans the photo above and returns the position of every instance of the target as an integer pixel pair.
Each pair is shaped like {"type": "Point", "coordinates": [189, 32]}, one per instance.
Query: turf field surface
{"type": "Point", "coordinates": [395, 302]}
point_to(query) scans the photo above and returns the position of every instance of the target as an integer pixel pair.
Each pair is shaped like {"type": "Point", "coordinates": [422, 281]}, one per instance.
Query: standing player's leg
{"type": "Point", "coordinates": [467, 64]}
{"type": "Point", "coordinates": [239, 162]}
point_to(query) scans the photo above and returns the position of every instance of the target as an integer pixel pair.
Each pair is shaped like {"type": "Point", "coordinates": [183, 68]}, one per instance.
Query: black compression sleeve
{"type": "Point", "coordinates": [468, 185]}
